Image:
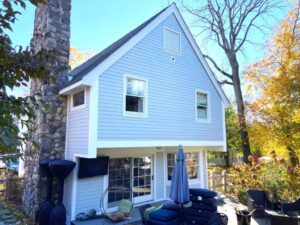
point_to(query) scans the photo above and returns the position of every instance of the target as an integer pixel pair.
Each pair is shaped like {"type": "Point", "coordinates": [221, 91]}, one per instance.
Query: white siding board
{"type": "Point", "coordinates": [89, 191]}
{"type": "Point", "coordinates": [171, 94]}
{"type": "Point", "coordinates": [78, 129]}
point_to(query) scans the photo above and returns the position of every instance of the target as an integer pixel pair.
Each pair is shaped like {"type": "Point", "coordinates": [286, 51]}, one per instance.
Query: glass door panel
{"type": "Point", "coordinates": [142, 179]}
{"type": "Point", "coordinates": [119, 181]}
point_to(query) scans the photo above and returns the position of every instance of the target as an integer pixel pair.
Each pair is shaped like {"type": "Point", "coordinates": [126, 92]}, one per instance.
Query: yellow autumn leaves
{"type": "Point", "coordinates": [273, 91]}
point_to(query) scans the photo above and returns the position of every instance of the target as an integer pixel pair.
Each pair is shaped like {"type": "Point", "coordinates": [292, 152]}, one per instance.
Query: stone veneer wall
{"type": "Point", "coordinates": [51, 32]}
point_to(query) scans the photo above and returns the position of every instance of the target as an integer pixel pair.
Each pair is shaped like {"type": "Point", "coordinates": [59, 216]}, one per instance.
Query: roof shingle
{"type": "Point", "coordinates": [79, 72]}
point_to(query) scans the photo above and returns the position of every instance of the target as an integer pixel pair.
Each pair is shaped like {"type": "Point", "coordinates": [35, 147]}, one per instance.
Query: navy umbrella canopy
{"type": "Point", "coordinates": [179, 192]}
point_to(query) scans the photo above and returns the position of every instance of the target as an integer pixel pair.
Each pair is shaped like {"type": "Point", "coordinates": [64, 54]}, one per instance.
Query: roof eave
{"type": "Point", "coordinates": [72, 88]}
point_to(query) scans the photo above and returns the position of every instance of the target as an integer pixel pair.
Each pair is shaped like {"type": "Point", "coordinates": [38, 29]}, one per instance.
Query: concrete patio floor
{"type": "Point", "coordinates": [227, 206]}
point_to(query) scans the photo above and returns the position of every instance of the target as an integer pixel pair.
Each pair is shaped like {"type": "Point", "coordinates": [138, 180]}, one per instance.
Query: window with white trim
{"type": "Point", "coordinates": [202, 106]}
{"type": "Point", "coordinates": [172, 41]}
{"type": "Point", "coordinates": [191, 161]}
{"type": "Point", "coordinates": [78, 99]}
{"type": "Point", "coordinates": [135, 96]}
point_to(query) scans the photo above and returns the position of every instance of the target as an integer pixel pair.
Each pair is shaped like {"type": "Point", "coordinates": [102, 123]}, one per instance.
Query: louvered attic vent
{"type": "Point", "coordinates": [172, 41]}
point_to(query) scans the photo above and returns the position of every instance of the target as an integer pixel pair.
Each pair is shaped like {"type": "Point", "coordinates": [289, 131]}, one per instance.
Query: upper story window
{"type": "Point", "coordinates": [191, 161]}
{"type": "Point", "coordinates": [202, 106]}
{"type": "Point", "coordinates": [172, 41]}
{"type": "Point", "coordinates": [78, 99]}
{"type": "Point", "coordinates": [135, 97]}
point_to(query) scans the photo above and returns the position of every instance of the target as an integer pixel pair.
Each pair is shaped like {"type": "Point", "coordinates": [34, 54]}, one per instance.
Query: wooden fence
{"type": "Point", "coordinates": [11, 188]}
{"type": "Point", "coordinates": [220, 182]}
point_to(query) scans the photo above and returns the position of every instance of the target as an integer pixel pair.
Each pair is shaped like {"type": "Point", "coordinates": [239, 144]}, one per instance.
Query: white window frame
{"type": "Point", "coordinates": [191, 181]}
{"type": "Point", "coordinates": [180, 40]}
{"type": "Point", "coordinates": [74, 108]}
{"type": "Point", "coordinates": [208, 119]}
{"type": "Point", "coordinates": [143, 114]}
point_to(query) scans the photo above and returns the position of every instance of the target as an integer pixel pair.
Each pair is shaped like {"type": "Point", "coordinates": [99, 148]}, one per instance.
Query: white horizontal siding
{"type": "Point", "coordinates": [171, 94]}
{"type": "Point", "coordinates": [89, 192]}
{"type": "Point", "coordinates": [78, 129]}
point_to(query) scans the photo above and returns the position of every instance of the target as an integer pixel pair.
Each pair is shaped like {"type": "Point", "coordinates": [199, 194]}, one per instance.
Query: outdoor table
{"type": "Point", "coordinates": [279, 218]}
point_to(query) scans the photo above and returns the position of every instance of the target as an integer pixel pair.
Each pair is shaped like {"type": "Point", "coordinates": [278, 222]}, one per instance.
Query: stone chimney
{"type": "Point", "coordinates": [52, 33]}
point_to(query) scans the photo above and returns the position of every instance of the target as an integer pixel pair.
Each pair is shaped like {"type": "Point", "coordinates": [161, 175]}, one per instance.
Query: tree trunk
{"type": "Point", "coordinates": [240, 107]}
{"type": "Point", "coordinates": [226, 158]}
{"type": "Point", "coordinates": [293, 156]}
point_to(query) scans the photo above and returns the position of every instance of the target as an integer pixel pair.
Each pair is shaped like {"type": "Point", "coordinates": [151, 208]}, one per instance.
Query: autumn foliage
{"type": "Point", "coordinates": [281, 181]}
{"type": "Point", "coordinates": [77, 57]}
{"type": "Point", "coordinates": [273, 86]}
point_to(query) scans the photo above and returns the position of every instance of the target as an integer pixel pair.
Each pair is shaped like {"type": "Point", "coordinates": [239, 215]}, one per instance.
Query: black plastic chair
{"type": "Point", "coordinates": [259, 201]}
{"type": "Point", "coordinates": [291, 206]}
{"type": "Point", "coordinates": [222, 219]}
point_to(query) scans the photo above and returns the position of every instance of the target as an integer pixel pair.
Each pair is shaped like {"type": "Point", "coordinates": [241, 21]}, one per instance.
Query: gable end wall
{"type": "Point", "coordinates": [171, 93]}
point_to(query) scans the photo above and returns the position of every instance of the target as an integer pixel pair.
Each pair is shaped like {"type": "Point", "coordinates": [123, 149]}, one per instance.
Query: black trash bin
{"type": "Point", "coordinates": [243, 217]}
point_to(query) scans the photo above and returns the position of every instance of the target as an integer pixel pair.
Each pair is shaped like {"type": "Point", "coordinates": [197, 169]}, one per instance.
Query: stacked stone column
{"type": "Point", "coordinates": [52, 33]}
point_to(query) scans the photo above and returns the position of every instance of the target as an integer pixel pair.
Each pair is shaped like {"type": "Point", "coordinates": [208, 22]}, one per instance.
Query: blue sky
{"type": "Point", "coordinates": [95, 24]}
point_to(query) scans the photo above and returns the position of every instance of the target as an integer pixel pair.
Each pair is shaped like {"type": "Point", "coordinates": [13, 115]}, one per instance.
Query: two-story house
{"type": "Point", "coordinates": [135, 102]}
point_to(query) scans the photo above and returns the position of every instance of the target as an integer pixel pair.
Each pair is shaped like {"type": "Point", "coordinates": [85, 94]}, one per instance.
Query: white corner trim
{"type": "Point", "coordinates": [180, 41]}
{"type": "Point", "coordinates": [205, 169]}
{"type": "Point", "coordinates": [67, 126]}
{"type": "Point", "coordinates": [93, 119]}
{"type": "Point", "coordinates": [155, 143]}
{"type": "Point", "coordinates": [208, 120]}
{"type": "Point", "coordinates": [154, 175]}
{"type": "Point", "coordinates": [224, 127]}
{"type": "Point", "coordinates": [72, 108]}
{"type": "Point", "coordinates": [143, 114]}
{"type": "Point", "coordinates": [74, 189]}
{"type": "Point", "coordinates": [165, 173]}
{"type": "Point", "coordinates": [201, 169]}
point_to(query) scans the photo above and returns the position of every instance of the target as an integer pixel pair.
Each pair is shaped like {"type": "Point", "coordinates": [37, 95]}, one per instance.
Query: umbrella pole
{"type": "Point", "coordinates": [181, 216]}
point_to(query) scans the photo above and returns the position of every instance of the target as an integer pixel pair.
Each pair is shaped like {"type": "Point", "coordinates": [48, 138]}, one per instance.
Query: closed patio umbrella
{"type": "Point", "coordinates": [179, 192]}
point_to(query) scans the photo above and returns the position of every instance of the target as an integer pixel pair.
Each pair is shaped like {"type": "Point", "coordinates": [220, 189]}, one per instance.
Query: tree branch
{"type": "Point", "coordinates": [225, 82]}
{"type": "Point", "coordinates": [296, 20]}
{"type": "Point", "coordinates": [217, 67]}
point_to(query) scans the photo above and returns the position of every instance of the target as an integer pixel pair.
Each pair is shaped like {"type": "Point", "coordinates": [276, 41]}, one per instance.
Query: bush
{"type": "Point", "coordinates": [242, 196]}
{"type": "Point", "coordinates": [275, 176]}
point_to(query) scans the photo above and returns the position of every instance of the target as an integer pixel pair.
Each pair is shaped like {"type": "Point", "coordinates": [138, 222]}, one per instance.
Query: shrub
{"type": "Point", "coordinates": [242, 196]}
{"type": "Point", "coordinates": [275, 176]}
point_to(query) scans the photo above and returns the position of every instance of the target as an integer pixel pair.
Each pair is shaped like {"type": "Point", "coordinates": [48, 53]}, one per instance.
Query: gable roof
{"type": "Point", "coordinates": [79, 72]}
{"type": "Point", "coordinates": [86, 73]}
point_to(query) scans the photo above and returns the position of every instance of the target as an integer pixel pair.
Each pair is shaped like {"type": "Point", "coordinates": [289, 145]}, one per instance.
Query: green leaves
{"type": "Point", "coordinates": [275, 176]}
{"type": "Point", "coordinates": [17, 67]}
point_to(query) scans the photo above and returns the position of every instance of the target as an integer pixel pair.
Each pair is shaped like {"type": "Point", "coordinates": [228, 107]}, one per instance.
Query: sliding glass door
{"type": "Point", "coordinates": [130, 175]}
